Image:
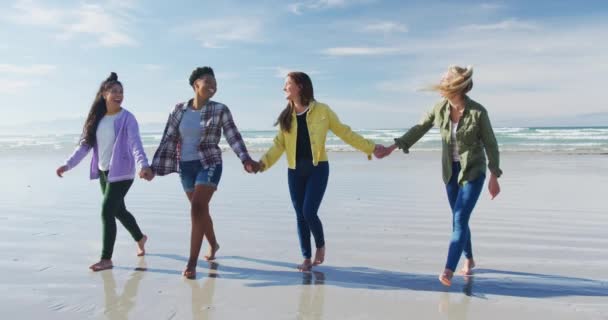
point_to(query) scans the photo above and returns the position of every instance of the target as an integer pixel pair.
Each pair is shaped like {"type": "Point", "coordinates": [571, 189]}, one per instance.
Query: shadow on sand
{"type": "Point", "coordinates": [486, 281]}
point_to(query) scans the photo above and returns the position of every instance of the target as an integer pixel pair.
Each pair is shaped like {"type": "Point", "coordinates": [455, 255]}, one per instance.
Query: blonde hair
{"type": "Point", "coordinates": [461, 82]}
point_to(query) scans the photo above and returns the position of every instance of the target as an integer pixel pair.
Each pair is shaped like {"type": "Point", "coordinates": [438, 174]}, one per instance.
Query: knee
{"type": "Point", "coordinates": [108, 210]}
{"type": "Point", "coordinates": [310, 215]}
{"type": "Point", "coordinates": [199, 208]}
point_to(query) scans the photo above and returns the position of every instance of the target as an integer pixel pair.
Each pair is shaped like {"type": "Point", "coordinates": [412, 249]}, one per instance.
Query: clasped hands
{"type": "Point", "coordinates": [252, 166]}
{"type": "Point", "coordinates": [381, 151]}
{"type": "Point", "coordinates": [146, 173]}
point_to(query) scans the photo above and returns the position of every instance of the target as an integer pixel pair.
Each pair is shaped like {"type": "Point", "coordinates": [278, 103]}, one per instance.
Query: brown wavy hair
{"type": "Point", "coordinates": [306, 95]}
{"type": "Point", "coordinates": [98, 110]}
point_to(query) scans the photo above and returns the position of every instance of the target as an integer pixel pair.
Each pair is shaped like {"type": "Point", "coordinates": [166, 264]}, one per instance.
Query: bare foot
{"type": "Point", "coordinates": [190, 272]}
{"type": "Point", "coordinates": [446, 277]}
{"type": "Point", "coordinates": [103, 264]}
{"type": "Point", "coordinates": [212, 251]}
{"type": "Point", "coordinates": [319, 256]}
{"type": "Point", "coordinates": [305, 266]}
{"type": "Point", "coordinates": [467, 269]}
{"type": "Point", "coordinates": [141, 250]}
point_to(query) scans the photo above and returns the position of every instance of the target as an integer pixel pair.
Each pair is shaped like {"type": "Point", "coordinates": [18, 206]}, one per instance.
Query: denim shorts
{"type": "Point", "coordinates": [192, 173]}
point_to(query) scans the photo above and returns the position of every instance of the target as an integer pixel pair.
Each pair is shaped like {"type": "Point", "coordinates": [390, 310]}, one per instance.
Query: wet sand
{"type": "Point", "coordinates": [541, 246]}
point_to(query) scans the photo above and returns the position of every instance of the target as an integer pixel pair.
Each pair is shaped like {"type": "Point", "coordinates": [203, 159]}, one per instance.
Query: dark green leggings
{"type": "Point", "coordinates": [113, 206]}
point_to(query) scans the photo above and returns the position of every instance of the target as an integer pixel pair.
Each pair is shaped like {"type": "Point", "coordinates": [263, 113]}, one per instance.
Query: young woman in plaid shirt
{"type": "Point", "coordinates": [190, 146]}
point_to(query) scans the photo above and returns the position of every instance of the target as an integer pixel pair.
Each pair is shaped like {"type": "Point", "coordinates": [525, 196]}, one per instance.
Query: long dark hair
{"type": "Point", "coordinates": [306, 95]}
{"type": "Point", "coordinates": [98, 110]}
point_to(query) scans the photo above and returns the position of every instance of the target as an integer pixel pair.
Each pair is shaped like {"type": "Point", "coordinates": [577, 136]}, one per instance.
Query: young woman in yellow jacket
{"type": "Point", "coordinates": [304, 124]}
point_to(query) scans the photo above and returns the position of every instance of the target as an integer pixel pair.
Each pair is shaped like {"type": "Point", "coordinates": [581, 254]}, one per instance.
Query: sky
{"type": "Point", "coordinates": [534, 61]}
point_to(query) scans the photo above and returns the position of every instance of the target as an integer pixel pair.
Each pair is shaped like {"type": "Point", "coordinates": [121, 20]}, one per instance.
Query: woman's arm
{"type": "Point", "coordinates": [407, 140]}
{"type": "Point", "coordinates": [345, 133]}
{"type": "Point", "coordinates": [134, 140]}
{"type": "Point", "coordinates": [492, 152]}
{"type": "Point", "coordinates": [233, 136]}
{"type": "Point", "coordinates": [79, 153]}
{"type": "Point", "coordinates": [164, 159]}
{"type": "Point", "coordinates": [274, 153]}
{"type": "Point", "coordinates": [490, 144]}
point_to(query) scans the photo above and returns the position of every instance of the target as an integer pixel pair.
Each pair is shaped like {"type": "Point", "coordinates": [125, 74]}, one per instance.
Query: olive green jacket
{"type": "Point", "coordinates": [473, 137]}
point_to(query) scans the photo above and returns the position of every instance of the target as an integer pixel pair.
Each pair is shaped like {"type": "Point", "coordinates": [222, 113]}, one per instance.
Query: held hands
{"type": "Point", "coordinates": [251, 166]}
{"type": "Point", "coordinates": [493, 186]}
{"type": "Point", "coordinates": [61, 170]}
{"type": "Point", "coordinates": [381, 151]}
{"type": "Point", "coordinates": [146, 173]}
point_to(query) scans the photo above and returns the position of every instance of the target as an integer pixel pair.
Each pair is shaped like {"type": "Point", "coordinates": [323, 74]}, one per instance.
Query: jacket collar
{"type": "Point", "coordinates": [311, 106]}
{"type": "Point", "coordinates": [187, 103]}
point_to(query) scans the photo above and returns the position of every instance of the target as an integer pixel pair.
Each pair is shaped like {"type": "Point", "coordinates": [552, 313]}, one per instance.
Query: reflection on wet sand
{"type": "Point", "coordinates": [118, 306]}
{"type": "Point", "coordinates": [202, 295]}
{"type": "Point", "coordinates": [312, 295]}
{"type": "Point", "coordinates": [458, 307]}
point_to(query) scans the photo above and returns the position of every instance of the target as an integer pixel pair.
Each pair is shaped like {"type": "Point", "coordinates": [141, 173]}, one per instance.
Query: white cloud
{"type": "Point", "coordinates": [506, 25]}
{"type": "Point", "coordinates": [300, 6]}
{"type": "Point", "coordinates": [361, 51]}
{"type": "Point", "coordinates": [344, 106]}
{"type": "Point", "coordinates": [33, 70]}
{"type": "Point", "coordinates": [548, 70]}
{"type": "Point", "coordinates": [386, 27]}
{"type": "Point", "coordinates": [14, 83]}
{"type": "Point", "coordinates": [108, 24]}
{"type": "Point", "coordinates": [27, 12]}
{"type": "Point", "coordinates": [9, 86]}
{"type": "Point", "coordinates": [220, 33]}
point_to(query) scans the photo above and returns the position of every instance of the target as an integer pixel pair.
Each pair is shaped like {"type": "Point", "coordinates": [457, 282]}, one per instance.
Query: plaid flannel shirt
{"type": "Point", "coordinates": [215, 118]}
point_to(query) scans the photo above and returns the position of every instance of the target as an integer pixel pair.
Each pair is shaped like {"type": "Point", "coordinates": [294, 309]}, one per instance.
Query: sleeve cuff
{"type": "Point", "coordinates": [402, 145]}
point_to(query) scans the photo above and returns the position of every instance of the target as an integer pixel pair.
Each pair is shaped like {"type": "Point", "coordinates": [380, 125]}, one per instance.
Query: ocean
{"type": "Point", "coordinates": [583, 140]}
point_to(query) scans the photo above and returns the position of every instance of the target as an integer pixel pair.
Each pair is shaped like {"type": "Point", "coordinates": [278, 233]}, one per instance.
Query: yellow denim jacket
{"type": "Point", "coordinates": [320, 118]}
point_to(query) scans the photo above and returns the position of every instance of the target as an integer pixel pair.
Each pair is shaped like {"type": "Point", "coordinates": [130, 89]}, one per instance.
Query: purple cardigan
{"type": "Point", "coordinates": [127, 148]}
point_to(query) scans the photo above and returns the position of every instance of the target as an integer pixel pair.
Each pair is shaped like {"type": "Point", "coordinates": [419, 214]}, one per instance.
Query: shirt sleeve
{"type": "Point", "coordinates": [276, 150]}
{"type": "Point", "coordinates": [345, 133]}
{"type": "Point", "coordinates": [135, 143]}
{"type": "Point", "coordinates": [407, 140]}
{"type": "Point", "coordinates": [490, 144]}
{"type": "Point", "coordinates": [79, 153]}
{"type": "Point", "coordinates": [165, 157]}
{"type": "Point", "coordinates": [233, 136]}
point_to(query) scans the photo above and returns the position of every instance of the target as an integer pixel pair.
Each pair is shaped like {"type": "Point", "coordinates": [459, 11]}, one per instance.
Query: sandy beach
{"type": "Point", "coordinates": [541, 246]}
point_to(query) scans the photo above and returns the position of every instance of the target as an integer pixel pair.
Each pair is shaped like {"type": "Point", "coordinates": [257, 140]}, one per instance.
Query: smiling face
{"type": "Point", "coordinates": [205, 87]}
{"type": "Point", "coordinates": [292, 89]}
{"type": "Point", "coordinates": [114, 95]}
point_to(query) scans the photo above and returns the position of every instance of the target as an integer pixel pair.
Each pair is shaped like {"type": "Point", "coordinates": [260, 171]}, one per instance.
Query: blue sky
{"type": "Point", "coordinates": [367, 58]}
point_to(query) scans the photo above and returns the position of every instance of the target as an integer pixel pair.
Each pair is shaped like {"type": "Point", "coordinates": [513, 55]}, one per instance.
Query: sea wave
{"type": "Point", "coordinates": [581, 139]}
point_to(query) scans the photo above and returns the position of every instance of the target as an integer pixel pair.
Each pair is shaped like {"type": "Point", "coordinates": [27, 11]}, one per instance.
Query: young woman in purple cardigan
{"type": "Point", "coordinates": [113, 135]}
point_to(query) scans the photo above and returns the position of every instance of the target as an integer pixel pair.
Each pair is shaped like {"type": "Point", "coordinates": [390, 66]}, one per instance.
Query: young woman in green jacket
{"type": "Point", "coordinates": [467, 138]}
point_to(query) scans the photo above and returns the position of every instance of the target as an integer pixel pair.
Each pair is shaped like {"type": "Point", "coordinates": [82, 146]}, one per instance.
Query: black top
{"type": "Point", "coordinates": [303, 147]}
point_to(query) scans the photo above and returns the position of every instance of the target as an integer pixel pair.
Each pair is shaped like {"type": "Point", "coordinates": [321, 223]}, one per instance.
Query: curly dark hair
{"type": "Point", "coordinates": [199, 72]}
{"type": "Point", "coordinates": [98, 110]}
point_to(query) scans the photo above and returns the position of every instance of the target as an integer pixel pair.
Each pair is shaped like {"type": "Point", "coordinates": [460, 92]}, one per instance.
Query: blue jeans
{"type": "Point", "coordinates": [462, 201]}
{"type": "Point", "coordinates": [307, 185]}
{"type": "Point", "coordinates": [192, 174]}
